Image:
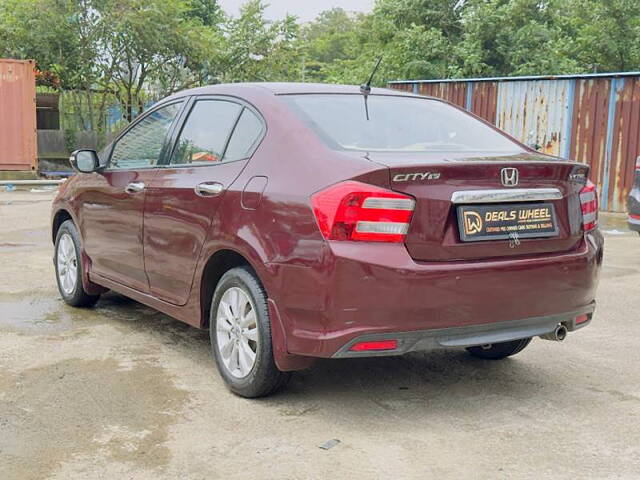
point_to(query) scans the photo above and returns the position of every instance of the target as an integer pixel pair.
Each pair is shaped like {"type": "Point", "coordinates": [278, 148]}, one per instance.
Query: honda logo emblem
{"type": "Point", "coordinates": [509, 177]}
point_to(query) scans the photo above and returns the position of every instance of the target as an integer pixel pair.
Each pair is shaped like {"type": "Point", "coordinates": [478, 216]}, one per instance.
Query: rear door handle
{"type": "Point", "coordinates": [209, 189]}
{"type": "Point", "coordinates": [135, 187]}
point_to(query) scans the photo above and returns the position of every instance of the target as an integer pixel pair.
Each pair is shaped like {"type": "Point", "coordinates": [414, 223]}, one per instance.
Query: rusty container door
{"type": "Point", "coordinates": [625, 142]}
{"type": "Point", "coordinates": [484, 98]}
{"type": "Point", "coordinates": [403, 87]}
{"type": "Point", "coordinates": [536, 113]}
{"type": "Point", "coordinates": [589, 132]}
{"type": "Point", "coordinates": [17, 115]}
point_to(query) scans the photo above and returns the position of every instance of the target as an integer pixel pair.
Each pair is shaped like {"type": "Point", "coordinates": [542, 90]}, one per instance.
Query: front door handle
{"type": "Point", "coordinates": [135, 187]}
{"type": "Point", "coordinates": [209, 189]}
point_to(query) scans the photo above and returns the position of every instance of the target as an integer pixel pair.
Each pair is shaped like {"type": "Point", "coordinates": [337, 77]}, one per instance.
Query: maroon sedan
{"type": "Point", "coordinates": [297, 221]}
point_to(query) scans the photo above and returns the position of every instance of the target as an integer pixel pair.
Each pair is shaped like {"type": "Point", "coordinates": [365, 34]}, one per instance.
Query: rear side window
{"type": "Point", "coordinates": [142, 145]}
{"type": "Point", "coordinates": [203, 138]}
{"type": "Point", "coordinates": [396, 124]}
{"type": "Point", "coordinates": [246, 135]}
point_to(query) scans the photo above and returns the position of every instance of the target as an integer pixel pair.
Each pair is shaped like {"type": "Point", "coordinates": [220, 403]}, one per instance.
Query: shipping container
{"type": "Point", "coordinates": [593, 118]}
{"type": "Point", "coordinates": [17, 115]}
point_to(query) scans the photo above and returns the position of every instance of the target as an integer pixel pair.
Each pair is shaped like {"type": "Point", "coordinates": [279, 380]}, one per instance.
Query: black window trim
{"type": "Point", "coordinates": [184, 116]}
{"type": "Point", "coordinates": [165, 144]}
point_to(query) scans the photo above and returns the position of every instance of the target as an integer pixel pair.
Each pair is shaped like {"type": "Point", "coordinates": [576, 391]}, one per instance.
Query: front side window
{"type": "Point", "coordinates": [396, 124]}
{"type": "Point", "coordinates": [205, 133]}
{"type": "Point", "coordinates": [142, 145]}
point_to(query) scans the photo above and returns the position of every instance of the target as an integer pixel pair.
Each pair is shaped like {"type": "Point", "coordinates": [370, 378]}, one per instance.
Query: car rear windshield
{"type": "Point", "coordinates": [396, 123]}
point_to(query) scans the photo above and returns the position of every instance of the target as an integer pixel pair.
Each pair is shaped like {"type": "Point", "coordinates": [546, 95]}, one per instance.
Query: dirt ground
{"type": "Point", "coordinates": [121, 391]}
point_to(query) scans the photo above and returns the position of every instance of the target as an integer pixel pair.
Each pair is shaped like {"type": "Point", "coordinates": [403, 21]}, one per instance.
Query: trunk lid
{"type": "Point", "coordinates": [432, 180]}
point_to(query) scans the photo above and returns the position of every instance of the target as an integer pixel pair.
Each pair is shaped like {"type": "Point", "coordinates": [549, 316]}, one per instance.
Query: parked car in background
{"type": "Point", "coordinates": [633, 202]}
{"type": "Point", "coordinates": [301, 221]}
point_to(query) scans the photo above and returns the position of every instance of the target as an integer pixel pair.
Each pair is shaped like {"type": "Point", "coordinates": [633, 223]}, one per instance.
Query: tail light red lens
{"type": "Point", "coordinates": [361, 212]}
{"type": "Point", "coordinates": [589, 204]}
{"type": "Point", "coordinates": [581, 319]}
{"type": "Point", "coordinates": [638, 164]}
{"type": "Point", "coordinates": [375, 345]}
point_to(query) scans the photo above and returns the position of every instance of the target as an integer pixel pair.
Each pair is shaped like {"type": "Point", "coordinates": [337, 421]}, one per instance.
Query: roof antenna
{"type": "Point", "coordinates": [365, 88]}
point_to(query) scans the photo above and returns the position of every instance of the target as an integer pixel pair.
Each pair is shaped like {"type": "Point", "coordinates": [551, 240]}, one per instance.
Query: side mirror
{"type": "Point", "coordinates": [85, 161]}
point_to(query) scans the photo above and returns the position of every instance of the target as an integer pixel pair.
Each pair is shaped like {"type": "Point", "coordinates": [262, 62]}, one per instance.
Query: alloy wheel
{"type": "Point", "coordinates": [67, 264]}
{"type": "Point", "coordinates": [237, 332]}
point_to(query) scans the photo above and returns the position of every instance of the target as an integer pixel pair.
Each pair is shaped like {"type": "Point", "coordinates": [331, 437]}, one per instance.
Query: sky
{"type": "Point", "coordinates": [305, 10]}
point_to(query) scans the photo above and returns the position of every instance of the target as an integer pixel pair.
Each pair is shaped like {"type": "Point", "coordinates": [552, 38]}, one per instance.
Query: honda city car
{"type": "Point", "coordinates": [302, 221]}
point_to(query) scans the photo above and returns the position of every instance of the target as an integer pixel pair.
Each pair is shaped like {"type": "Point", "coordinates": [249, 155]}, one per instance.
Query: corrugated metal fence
{"type": "Point", "coordinates": [593, 119]}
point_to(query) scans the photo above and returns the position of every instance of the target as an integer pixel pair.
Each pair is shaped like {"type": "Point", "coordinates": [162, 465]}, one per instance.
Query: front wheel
{"type": "Point", "coordinates": [68, 265]}
{"type": "Point", "coordinates": [240, 333]}
{"type": "Point", "coordinates": [498, 351]}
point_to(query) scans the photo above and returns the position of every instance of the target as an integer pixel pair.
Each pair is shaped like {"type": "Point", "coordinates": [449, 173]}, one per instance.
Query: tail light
{"type": "Point", "coordinates": [638, 164]}
{"type": "Point", "coordinates": [589, 204]}
{"type": "Point", "coordinates": [360, 212]}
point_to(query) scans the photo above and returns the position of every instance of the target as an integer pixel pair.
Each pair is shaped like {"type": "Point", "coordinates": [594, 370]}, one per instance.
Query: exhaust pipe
{"type": "Point", "coordinates": [558, 334]}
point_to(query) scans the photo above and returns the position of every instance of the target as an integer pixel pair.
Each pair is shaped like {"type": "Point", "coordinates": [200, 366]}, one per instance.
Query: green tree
{"type": "Point", "coordinates": [131, 49]}
{"type": "Point", "coordinates": [208, 12]}
{"type": "Point", "coordinates": [512, 37]}
{"type": "Point", "coordinates": [260, 50]}
{"type": "Point", "coordinates": [332, 36]}
{"type": "Point", "coordinates": [64, 37]}
{"type": "Point", "coordinates": [603, 36]}
{"type": "Point", "coordinates": [148, 62]}
{"type": "Point", "coordinates": [442, 15]}
{"type": "Point", "coordinates": [413, 40]}
{"type": "Point", "coordinates": [46, 31]}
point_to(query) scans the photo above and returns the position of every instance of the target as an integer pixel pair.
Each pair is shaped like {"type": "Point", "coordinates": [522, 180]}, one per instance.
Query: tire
{"type": "Point", "coordinates": [68, 267]}
{"type": "Point", "coordinates": [498, 351]}
{"type": "Point", "coordinates": [240, 333]}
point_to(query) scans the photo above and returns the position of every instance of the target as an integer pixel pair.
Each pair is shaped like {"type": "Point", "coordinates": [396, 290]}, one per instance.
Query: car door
{"type": "Point", "coordinates": [113, 199]}
{"type": "Point", "coordinates": [210, 150]}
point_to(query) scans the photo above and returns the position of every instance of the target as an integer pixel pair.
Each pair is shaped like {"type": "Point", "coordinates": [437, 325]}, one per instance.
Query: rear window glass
{"type": "Point", "coordinates": [395, 123]}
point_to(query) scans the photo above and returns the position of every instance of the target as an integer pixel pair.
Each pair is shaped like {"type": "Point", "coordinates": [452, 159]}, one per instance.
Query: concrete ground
{"type": "Point", "coordinates": [121, 391]}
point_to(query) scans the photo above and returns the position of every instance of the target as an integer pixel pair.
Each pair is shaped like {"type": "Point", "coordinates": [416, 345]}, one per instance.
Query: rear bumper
{"type": "Point", "coordinates": [468, 336]}
{"type": "Point", "coordinates": [373, 290]}
{"type": "Point", "coordinates": [634, 222]}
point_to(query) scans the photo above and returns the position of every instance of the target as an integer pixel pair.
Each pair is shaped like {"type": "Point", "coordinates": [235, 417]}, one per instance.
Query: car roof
{"type": "Point", "coordinates": [283, 88]}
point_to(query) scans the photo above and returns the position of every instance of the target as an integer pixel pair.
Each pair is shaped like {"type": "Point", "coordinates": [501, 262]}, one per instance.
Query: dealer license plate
{"type": "Point", "coordinates": [495, 222]}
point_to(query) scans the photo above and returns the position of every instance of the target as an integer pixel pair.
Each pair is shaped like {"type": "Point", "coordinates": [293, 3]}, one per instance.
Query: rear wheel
{"type": "Point", "coordinates": [240, 332]}
{"type": "Point", "coordinates": [497, 351]}
{"type": "Point", "coordinates": [68, 265]}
